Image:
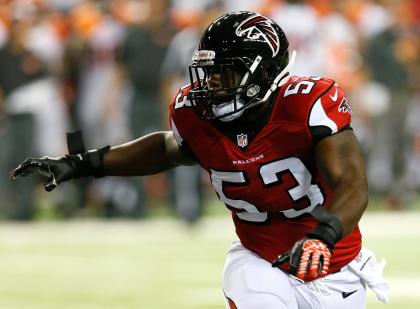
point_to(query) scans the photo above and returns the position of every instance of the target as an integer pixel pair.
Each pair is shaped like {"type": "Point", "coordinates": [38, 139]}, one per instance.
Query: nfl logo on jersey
{"type": "Point", "coordinates": [242, 140]}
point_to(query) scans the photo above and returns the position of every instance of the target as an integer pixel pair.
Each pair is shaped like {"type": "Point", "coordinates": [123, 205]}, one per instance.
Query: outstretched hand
{"type": "Point", "coordinates": [308, 260]}
{"type": "Point", "coordinates": [56, 170]}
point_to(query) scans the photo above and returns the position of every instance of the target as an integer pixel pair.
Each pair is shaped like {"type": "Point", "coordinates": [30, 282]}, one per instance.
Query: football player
{"type": "Point", "coordinates": [281, 155]}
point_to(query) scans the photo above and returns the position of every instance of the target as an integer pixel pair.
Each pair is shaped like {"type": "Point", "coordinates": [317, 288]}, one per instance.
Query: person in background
{"type": "Point", "coordinates": [186, 181]}
{"type": "Point", "coordinates": [31, 100]}
{"type": "Point", "coordinates": [392, 57]}
{"type": "Point", "coordinates": [101, 100]}
{"type": "Point", "coordinates": [141, 55]}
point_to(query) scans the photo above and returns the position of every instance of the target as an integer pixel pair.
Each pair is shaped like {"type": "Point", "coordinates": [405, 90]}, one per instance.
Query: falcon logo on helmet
{"type": "Point", "coordinates": [258, 27]}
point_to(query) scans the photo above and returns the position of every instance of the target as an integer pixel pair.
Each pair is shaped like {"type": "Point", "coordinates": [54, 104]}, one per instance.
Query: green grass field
{"type": "Point", "coordinates": [160, 263]}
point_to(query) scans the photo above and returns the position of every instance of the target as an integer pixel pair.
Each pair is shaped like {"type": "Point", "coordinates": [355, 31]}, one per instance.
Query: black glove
{"type": "Point", "coordinates": [58, 170]}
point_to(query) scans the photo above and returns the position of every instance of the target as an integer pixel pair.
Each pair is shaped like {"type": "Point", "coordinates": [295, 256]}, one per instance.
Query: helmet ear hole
{"type": "Point", "coordinates": [252, 91]}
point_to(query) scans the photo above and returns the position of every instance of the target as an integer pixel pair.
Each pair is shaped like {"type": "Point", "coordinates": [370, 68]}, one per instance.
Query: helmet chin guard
{"type": "Point", "coordinates": [226, 112]}
{"type": "Point", "coordinates": [247, 54]}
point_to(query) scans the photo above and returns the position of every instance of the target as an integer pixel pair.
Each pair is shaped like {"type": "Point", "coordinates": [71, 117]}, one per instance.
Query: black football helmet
{"type": "Point", "coordinates": [247, 54]}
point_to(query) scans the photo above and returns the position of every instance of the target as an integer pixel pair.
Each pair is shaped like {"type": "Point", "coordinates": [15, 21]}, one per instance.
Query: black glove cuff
{"type": "Point", "coordinates": [89, 163]}
{"type": "Point", "coordinates": [96, 159]}
{"type": "Point", "coordinates": [329, 233]}
{"type": "Point", "coordinates": [329, 229]}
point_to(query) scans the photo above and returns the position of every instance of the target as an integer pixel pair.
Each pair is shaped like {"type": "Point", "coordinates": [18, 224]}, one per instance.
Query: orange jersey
{"type": "Point", "coordinates": [269, 179]}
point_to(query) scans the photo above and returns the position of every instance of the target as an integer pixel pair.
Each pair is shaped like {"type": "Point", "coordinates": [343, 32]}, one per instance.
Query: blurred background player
{"type": "Point", "coordinates": [186, 181]}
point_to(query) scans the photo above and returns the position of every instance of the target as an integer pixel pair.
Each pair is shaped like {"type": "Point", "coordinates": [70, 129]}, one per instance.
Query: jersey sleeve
{"type": "Point", "coordinates": [180, 100]}
{"type": "Point", "coordinates": [331, 113]}
{"type": "Point", "coordinates": [182, 144]}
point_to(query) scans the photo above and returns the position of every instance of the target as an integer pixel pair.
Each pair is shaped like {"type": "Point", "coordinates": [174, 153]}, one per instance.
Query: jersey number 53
{"type": "Point", "coordinates": [269, 174]}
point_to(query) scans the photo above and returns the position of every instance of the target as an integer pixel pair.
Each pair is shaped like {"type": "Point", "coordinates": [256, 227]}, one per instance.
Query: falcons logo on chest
{"type": "Point", "coordinates": [259, 28]}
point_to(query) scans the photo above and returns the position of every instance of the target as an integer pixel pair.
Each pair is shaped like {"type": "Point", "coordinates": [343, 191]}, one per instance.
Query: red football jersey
{"type": "Point", "coordinates": [271, 182]}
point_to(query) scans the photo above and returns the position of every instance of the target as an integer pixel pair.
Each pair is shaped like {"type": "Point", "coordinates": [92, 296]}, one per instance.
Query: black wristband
{"type": "Point", "coordinates": [96, 159]}
{"type": "Point", "coordinates": [329, 229]}
{"type": "Point", "coordinates": [89, 163]}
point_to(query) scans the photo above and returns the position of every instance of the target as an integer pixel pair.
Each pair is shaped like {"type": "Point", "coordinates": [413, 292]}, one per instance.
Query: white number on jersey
{"type": "Point", "coordinates": [269, 175]}
{"type": "Point", "coordinates": [304, 86]}
{"type": "Point", "coordinates": [181, 99]}
{"type": "Point", "coordinates": [251, 212]}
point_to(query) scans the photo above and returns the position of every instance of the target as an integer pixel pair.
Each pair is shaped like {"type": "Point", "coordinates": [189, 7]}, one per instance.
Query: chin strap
{"type": "Point", "coordinates": [251, 70]}
{"type": "Point", "coordinates": [276, 81]}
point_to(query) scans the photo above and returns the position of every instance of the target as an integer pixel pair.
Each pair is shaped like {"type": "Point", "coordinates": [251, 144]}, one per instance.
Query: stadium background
{"type": "Point", "coordinates": [110, 68]}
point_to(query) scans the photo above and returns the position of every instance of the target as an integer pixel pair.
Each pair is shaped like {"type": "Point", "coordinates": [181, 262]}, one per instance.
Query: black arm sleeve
{"type": "Point", "coordinates": [320, 132]}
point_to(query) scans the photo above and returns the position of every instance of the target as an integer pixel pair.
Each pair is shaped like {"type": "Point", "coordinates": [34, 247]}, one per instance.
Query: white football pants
{"type": "Point", "coordinates": [249, 282]}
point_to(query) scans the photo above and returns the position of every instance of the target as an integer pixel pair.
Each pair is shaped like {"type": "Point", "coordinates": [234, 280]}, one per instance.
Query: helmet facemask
{"type": "Point", "coordinates": [222, 88]}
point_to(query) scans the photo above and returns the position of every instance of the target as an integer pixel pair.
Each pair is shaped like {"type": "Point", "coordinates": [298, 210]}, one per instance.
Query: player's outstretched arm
{"type": "Point", "coordinates": [148, 155]}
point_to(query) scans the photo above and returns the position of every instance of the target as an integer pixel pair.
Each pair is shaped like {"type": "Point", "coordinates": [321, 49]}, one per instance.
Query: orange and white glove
{"type": "Point", "coordinates": [313, 261]}
{"type": "Point", "coordinates": [308, 260]}
{"type": "Point", "coordinates": [310, 257]}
